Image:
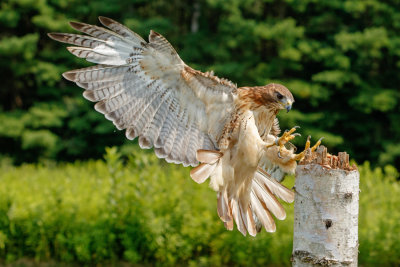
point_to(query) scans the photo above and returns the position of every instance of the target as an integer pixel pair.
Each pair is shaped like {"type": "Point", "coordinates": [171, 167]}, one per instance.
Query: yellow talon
{"type": "Point", "coordinates": [300, 156]}
{"type": "Point", "coordinates": [286, 137]}
{"type": "Point", "coordinates": [314, 147]}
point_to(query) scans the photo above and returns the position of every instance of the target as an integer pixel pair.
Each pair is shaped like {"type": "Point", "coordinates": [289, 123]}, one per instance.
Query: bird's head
{"type": "Point", "coordinates": [278, 96]}
{"type": "Point", "coordinates": [272, 96]}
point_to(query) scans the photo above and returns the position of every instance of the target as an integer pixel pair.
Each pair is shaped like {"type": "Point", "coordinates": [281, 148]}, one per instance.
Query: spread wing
{"type": "Point", "coordinates": [145, 88]}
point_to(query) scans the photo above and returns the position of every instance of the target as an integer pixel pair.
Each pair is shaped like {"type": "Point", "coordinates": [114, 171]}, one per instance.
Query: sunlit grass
{"type": "Point", "coordinates": [146, 211]}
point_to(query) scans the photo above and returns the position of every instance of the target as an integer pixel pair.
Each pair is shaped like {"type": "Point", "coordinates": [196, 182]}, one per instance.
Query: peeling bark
{"type": "Point", "coordinates": [326, 211]}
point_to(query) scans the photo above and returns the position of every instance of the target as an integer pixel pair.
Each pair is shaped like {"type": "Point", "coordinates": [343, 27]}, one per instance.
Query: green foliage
{"type": "Point", "coordinates": [142, 210]}
{"type": "Point", "coordinates": [379, 236]}
{"type": "Point", "coordinates": [341, 59]}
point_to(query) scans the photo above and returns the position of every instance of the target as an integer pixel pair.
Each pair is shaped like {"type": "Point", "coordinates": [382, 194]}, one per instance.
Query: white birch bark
{"type": "Point", "coordinates": [326, 212]}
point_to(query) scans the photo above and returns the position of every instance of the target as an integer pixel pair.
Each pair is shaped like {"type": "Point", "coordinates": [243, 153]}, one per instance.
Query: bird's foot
{"type": "Point", "coordinates": [286, 137]}
{"type": "Point", "coordinates": [300, 156]}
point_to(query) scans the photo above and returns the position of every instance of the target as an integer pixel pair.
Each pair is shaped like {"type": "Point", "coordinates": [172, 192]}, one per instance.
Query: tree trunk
{"type": "Point", "coordinates": [194, 27]}
{"type": "Point", "coordinates": [326, 211]}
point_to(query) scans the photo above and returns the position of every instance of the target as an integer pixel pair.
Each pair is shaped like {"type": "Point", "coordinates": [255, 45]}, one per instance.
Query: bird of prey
{"type": "Point", "coordinates": [227, 133]}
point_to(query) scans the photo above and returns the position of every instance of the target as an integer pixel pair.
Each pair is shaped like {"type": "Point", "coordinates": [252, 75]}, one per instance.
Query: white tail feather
{"type": "Point", "coordinates": [237, 216]}
{"type": "Point", "coordinates": [274, 186]}
{"type": "Point", "coordinates": [251, 228]}
{"type": "Point", "coordinates": [268, 199]}
{"type": "Point", "coordinates": [262, 214]}
{"type": "Point", "coordinates": [229, 225]}
{"type": "Point", "coordinates": [223, 208]}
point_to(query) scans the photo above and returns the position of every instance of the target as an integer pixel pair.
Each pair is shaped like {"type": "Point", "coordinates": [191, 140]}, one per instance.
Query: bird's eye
{"type": "Point", "coordinates": [279, 96]}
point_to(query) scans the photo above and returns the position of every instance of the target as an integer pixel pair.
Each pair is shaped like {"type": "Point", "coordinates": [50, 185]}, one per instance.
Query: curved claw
{"type": "Point", "coordinates": [308, 142]}
{"type": "Point", "coordinates": [301, 155]}
{"type": "Point", "coordinates": [317, 144]}
{"type": "Point", "coordinates": [286, 137]}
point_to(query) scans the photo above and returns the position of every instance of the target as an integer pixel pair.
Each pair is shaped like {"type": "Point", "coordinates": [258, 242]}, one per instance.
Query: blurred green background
{"type": "Point", "coordinates": [340, 59]}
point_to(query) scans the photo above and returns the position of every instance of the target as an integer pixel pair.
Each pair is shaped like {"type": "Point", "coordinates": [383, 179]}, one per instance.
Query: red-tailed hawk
{"type": "Point", "coordinates": [190, 117]}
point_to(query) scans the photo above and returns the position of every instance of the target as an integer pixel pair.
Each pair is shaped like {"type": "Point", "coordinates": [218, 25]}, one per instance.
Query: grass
{"type": "Point", "coordinates": [147, 212]}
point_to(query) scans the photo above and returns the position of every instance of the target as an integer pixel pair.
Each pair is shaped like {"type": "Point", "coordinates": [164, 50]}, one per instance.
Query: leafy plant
{"type": "Point", "coordinates": [139, 209]}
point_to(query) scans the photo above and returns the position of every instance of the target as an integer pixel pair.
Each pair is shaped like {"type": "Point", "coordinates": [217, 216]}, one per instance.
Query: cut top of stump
{"type": "Point", "coordinates": [326, 160]}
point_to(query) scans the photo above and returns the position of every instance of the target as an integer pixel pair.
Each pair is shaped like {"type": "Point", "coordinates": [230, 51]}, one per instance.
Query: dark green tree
{"type": "Point", "coordinates": [339, 58]}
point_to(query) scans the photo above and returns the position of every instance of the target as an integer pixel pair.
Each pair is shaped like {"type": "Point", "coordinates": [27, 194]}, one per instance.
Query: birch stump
{"type": "Point", "coordinates": [326, 211]}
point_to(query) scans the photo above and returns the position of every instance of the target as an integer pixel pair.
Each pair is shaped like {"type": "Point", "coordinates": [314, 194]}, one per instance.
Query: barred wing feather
{"type": "Point", "coordinates": [145, 88]}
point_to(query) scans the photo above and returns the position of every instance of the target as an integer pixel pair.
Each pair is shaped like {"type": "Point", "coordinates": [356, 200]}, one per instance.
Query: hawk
{"type": "Point", "coordinates": [188, 117]}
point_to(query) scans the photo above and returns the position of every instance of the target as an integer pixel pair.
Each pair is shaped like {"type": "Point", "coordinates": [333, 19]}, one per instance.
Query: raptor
{"type": "Point", "coordinates": [228, 134]}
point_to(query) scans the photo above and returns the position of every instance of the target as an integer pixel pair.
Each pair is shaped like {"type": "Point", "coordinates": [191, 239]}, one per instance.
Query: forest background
{"type": "Point", "coordinates": [341, 60]}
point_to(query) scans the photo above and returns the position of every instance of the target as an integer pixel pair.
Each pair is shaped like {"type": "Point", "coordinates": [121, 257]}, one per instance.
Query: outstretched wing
{"type": "Point", "coordinates": [145, 88]}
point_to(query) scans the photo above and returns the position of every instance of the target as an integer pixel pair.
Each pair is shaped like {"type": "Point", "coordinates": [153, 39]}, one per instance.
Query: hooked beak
{"type": "Point", "coordinates": [288, 106]}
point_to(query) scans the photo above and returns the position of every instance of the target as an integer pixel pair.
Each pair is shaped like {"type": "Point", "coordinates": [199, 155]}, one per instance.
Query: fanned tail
{"type": "Point", "coordinates": [264, 194]}
{"type": "Point", "coordinates": [257, 213]}
{"type": "Point", "coordinates": [249, 212]}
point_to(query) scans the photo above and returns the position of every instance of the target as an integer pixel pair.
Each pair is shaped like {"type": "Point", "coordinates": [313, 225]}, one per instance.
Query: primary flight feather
{"type": "Point", "coordinates": [190, 117]}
